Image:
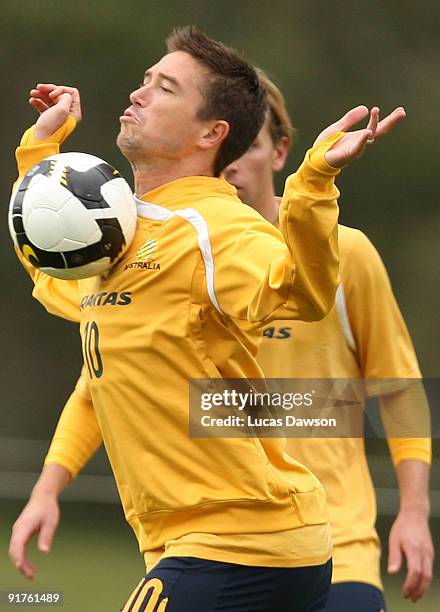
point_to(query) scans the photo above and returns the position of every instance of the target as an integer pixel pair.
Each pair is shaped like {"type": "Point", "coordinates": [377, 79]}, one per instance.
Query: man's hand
{"type": "Point", "coordinates": [410, 537]}
{"type": "Point", "coordinates": [353, 144]}
{"type": "Point", "coordinates": [41, 516]}
{"type": "Point", "coordinates": [54, 103]}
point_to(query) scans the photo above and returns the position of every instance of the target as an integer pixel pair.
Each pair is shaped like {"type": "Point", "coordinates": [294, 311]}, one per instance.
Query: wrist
{"type": "Point", "coordinates": [46, 490]}
{"type": "Point", "coordinates": [321, 155]}
{"type": "Point", "coordinates": [41, 133]}
{"type": "Point", "coordinates": [419, 509]}
{"type": "Point", "coordinates": [54, 478]}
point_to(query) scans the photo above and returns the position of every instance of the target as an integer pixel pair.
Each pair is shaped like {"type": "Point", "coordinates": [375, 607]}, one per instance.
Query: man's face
{"type": "Point", "coordinates": [252, 174]}
{"type": "Point", "coordinates": [161, 122]}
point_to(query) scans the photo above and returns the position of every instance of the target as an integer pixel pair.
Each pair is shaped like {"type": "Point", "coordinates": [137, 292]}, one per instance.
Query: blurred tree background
{"type": "Point", "coordinates": [325, 56]}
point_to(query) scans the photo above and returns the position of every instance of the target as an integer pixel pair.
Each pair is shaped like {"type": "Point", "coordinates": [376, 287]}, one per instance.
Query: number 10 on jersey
{"type": "Point", "coordinates": [90, 346]}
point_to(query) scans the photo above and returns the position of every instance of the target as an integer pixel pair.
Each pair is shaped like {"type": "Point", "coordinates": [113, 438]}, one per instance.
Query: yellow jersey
{"type": "Point", "coordinates": [203, 273]}
{"type": "Point", "coordinates": [363, 336]}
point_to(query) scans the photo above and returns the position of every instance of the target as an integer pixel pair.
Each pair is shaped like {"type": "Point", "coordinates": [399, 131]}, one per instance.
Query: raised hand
{"type": "Point", "coordinates": [54, 103]}
{"type": "Point", "coordinates": [353, 144]}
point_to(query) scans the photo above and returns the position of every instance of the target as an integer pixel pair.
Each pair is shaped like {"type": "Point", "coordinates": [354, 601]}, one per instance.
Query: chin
{"type": "Point", "coordinates": [243, 195]}
{"type": "Point", "coordinates": [120, 138]}
{"type": "Point", "coordinates": [126, 145]}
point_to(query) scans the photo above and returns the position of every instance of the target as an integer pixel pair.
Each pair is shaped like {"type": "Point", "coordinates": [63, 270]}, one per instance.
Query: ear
{"type": "Point", "coordinates": [281, 150]}
{"type": "Point", "coordinates": [214, 134]}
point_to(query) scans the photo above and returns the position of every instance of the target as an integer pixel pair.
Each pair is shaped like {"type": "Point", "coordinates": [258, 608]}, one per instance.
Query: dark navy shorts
{"type": "Point", "coordinates": [356, 597]}
{"type": "Point", "coordinates": [187, 584]}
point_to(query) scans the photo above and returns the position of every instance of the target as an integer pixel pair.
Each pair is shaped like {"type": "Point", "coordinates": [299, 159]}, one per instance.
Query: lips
{"type": "Point", "coordinates": [129, 112]}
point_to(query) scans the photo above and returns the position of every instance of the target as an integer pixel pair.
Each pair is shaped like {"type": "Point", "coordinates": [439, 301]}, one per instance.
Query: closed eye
{"type": "Point", "coordinates": [162, 87]}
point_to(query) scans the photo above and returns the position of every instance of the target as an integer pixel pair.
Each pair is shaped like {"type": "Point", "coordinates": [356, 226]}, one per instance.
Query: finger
{"type": "Point", "coordinates": [364, 136]}
{"type": "Point", "coordinates": [394, 557]}
{"type": "Point", "coordinates": [38, 95]}
{"type": "Point", "coordinates": [18, 550]}
{"type": "Point", "coordinates": [42, 90]}
{"type": "Point", "coordinates": [425, 578]}
{"type": "Point", "coordinates": [349, 147]}
{"type": "Point", "coordinates": [75, 102]}
{"type": "Point", "coordinates": [46, 87]}
{"type": "Point", "coordinates": [351, 118]}
{"type": "Point", "coordinates": [17, 546]}
{"type": "Point", "coordinates": [45, 536]}
{"type": "Point", "coordinates": [373, 121]}
{"type": "Point", "coordinates": [39, 105]}
{"type": "Point", "coordinates": [26, 568]}
{"type": "Point", "coordinates": [389, 122]}
{"type": "Point", "coordinates": [414, 573]}
{"type": "Point", "coordinates": [64, 102]}
{"type": "Point", "coordinates": [358, 143]}
{"type": "Point", "coordinates": [43, 102]}
{"type": "Point", "coordinates": [63, 89]}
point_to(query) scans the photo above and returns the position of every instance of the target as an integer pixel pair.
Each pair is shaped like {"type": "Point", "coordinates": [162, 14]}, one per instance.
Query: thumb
{"type": "Point", "coordinates": [46, 536]}
{"type": "Point", "coordinates": [345, 123]}
{"type": "Point", "coordinates": [64, 101]}
{"type": "Point", "coordinates": [53, 118]}
{"type": "Point", "coordinates": [394, 557]}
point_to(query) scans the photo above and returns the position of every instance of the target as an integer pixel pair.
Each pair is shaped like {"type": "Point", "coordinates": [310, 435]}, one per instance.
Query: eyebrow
{"type": "Point", "coordinates": [165, 77]}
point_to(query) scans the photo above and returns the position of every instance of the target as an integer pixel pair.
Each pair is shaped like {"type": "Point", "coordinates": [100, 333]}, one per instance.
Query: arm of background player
{"type": "Point", "coordinates": [385, 350]}
{"type": "Point", "coordinates": [76, 439]}
{"type": "Point", "coordinates": [410, 536]}
{"type": "Point", "coordinates": [259, 276]}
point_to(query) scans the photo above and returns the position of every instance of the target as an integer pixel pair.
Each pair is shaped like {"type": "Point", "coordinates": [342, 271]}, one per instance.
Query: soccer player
{"type": "Point", "coordinates": [233, 523]}
{"type": "Point", "coordinates": [363, 336]}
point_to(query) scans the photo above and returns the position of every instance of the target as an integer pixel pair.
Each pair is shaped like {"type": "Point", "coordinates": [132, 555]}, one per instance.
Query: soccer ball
{"type": "Point", "coordinates": [72, 216]}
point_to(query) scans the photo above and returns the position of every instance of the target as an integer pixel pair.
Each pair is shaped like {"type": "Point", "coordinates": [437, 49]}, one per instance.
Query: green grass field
{"type": "Point", "coordinates": [95, 562]}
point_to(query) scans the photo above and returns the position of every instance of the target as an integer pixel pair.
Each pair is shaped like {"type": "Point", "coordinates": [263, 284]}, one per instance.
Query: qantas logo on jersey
{"type": "Point", "coordinates": [114, 298]}
{"type": "Point", "coordinates": [145, 256]}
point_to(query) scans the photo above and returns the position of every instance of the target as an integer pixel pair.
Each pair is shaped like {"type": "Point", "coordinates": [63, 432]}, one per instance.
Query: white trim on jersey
{"type": "Point", "coordinates": [153, 211]}
{"type": "Point", "coordinates": [159, 213]}
{"type": "Point", "coordinates": [341, 307]}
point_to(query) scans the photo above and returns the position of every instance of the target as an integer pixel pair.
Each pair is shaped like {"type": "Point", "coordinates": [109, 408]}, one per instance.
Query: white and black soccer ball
{"type": "Point", "coordinates": [72, 216]}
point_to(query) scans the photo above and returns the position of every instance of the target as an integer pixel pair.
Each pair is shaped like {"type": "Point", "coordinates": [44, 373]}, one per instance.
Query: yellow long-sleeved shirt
{"type": "Point", "coordinates": [215, 272]}
{"type": "Point", "coordinates": [363, 336]}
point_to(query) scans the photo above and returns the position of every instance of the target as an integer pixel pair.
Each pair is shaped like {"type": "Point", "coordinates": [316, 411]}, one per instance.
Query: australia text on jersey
{"type": "Point", "coordinates": [145, 256]}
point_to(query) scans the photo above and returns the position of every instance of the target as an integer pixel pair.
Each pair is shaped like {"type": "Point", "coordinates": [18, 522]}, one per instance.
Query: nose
{"type": "Point", "coordinates": [140, 95]}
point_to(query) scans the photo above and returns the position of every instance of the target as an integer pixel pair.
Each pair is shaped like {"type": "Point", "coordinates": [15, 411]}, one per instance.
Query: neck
{"type": "Point", "coordinates": [267, 205]}
{"type": "Point", "coordinates": [149, 175]}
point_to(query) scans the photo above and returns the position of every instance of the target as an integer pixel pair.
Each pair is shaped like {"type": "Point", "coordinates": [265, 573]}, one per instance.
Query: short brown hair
{"type": "Point", "coordinates": [233, 91]}
{"type": "Point", "coordinates": [280, 124]}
